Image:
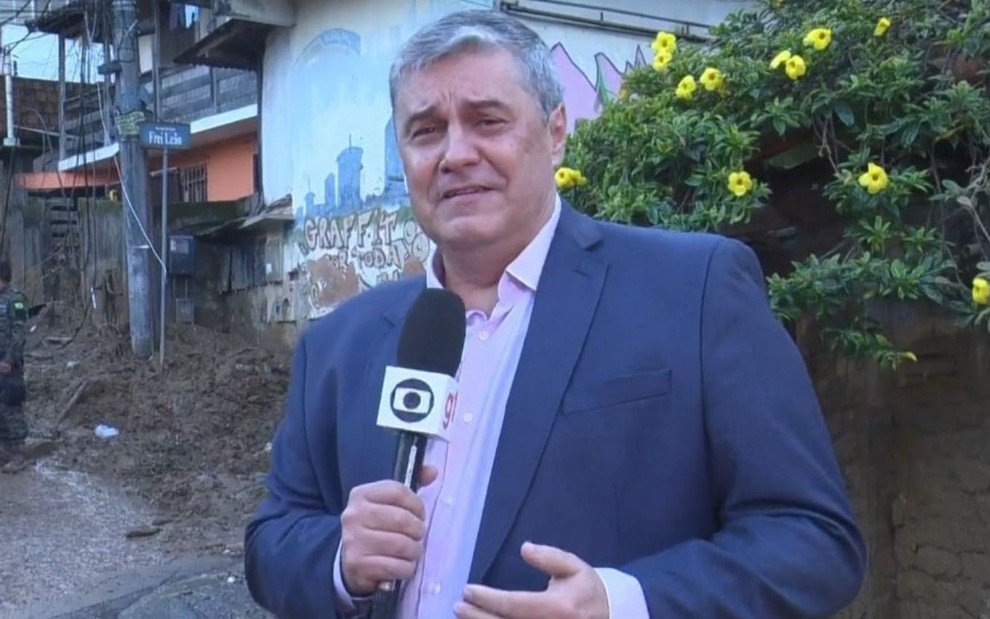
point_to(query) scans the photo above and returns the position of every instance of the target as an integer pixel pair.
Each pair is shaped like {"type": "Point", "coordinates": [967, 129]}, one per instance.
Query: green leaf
{"type": "Point", "coordinates": [793, 157]}
{"type": "Point", "coordinates": [845, 113]}
{"type": "Point", "coordinates": [909, 135]}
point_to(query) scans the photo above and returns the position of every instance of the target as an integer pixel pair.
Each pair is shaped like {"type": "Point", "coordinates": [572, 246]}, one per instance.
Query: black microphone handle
{"type": "Point", "coordinates": [408, 463]}
{"type": "Point", "coordinates": [411, 446]}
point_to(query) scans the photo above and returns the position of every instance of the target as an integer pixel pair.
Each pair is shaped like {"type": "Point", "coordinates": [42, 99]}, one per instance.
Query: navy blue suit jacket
{"type": "Point", "coordinates": [661, 421]}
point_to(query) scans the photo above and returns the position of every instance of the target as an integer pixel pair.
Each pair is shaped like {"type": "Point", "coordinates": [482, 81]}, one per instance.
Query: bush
{"type": "Point", "coordinates": [890, 97]}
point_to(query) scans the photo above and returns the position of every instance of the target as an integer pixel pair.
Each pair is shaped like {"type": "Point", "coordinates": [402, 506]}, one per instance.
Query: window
{"type": "Point", "coordinates": [192, 181]}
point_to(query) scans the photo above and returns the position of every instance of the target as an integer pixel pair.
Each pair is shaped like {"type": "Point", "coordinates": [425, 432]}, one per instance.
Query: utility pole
{"type": "Point", "coordinates": [134, 179]}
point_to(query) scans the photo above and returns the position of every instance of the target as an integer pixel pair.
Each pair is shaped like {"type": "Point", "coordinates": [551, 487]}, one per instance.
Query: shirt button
{"type": "Point", "coordinates": [468, 417]}
{"type": "Point", "coordinates": [435, 588]}
{"type": "Point", "coordinates": [483, 336]}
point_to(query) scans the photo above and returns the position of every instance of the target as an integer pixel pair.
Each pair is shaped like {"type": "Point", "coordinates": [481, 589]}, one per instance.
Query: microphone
{"type": "Point", "coordinates": [419, 393]}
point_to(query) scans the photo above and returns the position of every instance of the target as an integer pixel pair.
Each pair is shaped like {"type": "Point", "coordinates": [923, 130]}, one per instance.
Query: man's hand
{"type": "Point", "coordinates": [575, 591]}
{"type": "Point", "coordinates": [382, 531]}
{"type": "Point", "coordinates": [6, 368]}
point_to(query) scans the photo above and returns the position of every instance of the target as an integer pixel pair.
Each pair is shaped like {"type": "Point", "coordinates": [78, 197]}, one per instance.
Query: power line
{"type": "Point", "coordinates": [17, 12]}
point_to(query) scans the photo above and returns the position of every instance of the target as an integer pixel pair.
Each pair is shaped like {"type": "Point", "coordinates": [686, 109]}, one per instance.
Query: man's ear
{"type": "Point", "coordinates": [557, 126]}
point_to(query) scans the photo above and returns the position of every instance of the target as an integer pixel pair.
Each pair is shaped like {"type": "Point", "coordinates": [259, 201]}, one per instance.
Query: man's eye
{"type": "Point", "coordinates": [490, 122]}
{"type": "Point", "coordinates": [421, 131]}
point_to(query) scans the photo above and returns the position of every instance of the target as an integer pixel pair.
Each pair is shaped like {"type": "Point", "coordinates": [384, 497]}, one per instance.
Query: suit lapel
{"type": "Point", "coordinates": [565, 304]}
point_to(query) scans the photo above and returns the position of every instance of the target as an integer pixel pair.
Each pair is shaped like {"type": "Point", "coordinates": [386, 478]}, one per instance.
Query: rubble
{"type": "Point", "coordinates": [189, 431]}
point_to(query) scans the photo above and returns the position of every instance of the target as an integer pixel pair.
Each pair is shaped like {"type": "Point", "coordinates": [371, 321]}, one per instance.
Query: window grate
{"type": "Point", "coordinates": [192, 181]}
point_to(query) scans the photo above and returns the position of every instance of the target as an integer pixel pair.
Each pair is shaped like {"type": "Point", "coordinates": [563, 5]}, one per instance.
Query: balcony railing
{"type": "Point", "coordinates": [188, 93]}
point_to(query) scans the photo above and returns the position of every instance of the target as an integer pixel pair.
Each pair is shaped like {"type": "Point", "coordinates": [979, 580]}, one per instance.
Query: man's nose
{"type": "Point", "coordinates": [461, 149]}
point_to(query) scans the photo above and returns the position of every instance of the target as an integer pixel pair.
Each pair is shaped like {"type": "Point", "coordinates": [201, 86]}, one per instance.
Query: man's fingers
{"type": "Point", "coordinates": [551, 560]}
{"type": "Point", "coordinates": [375, 570]}
{"type": "Point", "coordinates": [391, 493]}
{"type": "Point", "coordinates": [393, 519]}
{"type": "Point", "coordinates": [384, 544]}
{"type": "Point", "coordinates": [508, 604]}
{"type": "Point", "coordinates": [427, 475]}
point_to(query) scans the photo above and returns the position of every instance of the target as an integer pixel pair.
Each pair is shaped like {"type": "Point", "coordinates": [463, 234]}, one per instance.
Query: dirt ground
{"type": "Point", "coordinates": [193, 435]}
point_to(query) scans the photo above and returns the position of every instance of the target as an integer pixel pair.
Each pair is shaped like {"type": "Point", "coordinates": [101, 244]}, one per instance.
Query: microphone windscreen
{"type": "Point", "coordinates": [432, 337]}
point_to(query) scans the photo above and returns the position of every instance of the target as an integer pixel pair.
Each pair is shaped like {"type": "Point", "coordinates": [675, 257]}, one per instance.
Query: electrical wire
{"type": "Point", "coordinates": [17, 12]}
{"type": "Point", "coordinates": [125, 194]}
{"type": "Point", "coordinates": [123, 185]}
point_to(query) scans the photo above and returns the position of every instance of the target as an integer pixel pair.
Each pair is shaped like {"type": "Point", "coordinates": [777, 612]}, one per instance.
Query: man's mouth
{"type": "Point", "coordinates": [463, 191]}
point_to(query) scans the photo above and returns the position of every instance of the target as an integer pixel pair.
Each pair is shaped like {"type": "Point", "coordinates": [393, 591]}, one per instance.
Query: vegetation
{"type": "Point", "coordinates": [890, 99]}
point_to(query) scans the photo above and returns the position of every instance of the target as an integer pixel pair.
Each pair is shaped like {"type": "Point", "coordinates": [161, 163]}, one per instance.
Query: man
{"type": "Point", "coordinates": [635, 434]}
{"type": "Point", "coordinates": [13, 423]}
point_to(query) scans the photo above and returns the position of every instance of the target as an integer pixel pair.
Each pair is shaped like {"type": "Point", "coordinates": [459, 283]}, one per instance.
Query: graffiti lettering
{"type": "Point", "coordinates": [349, 253]}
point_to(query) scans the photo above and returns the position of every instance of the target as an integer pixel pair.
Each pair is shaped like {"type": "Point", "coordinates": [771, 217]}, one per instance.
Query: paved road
{"type": "Point", "coordinates": [64, 552]}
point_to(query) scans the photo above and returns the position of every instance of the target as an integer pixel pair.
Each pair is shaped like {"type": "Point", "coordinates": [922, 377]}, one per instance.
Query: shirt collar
{"type": "Point", "coordinates": [527, 266]}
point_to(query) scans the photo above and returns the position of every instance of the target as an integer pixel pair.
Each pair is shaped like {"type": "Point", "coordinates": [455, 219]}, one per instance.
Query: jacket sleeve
{"type": "Point", "coordinates": [292, 540]}
{"type": "Point", "coordinates": [787, 545]}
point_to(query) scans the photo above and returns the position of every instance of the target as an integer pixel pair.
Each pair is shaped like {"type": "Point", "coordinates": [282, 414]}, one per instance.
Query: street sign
{"type": "Point", "coordinates": [165, 135]}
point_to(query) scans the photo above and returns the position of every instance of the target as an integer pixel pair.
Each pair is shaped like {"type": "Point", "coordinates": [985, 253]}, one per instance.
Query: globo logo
{"type": "Point", "coordinates": [412, 400]}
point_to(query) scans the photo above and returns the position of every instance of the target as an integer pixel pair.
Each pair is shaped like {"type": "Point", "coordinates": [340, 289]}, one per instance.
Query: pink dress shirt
{"type": "Point", "coordinates": [455, 500]}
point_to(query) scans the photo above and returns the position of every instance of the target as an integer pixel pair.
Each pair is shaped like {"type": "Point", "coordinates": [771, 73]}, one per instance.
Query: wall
{"type": "Point", "coordinates": [229, 167]}
{"type": "Point", "coordinates": [101, 261]}
{"type": "Point", "coordinates": [915, 448]}
{"type": "Point", "coordinates": [329, 141]}
{"type": "Point", "coordinates": [80, 264]}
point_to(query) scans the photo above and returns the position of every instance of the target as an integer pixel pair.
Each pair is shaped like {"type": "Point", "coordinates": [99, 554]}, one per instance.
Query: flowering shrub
{"type": "Point", "coordinates": [891, 100]}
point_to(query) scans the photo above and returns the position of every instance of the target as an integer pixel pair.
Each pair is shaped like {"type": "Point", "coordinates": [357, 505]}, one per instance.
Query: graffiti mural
{"type": "Point", "coordinates": [349, 253]}
{"type": "Point", "coordinates": [584, 97]}
{"type": "Point", "coordinates": [349, 236]}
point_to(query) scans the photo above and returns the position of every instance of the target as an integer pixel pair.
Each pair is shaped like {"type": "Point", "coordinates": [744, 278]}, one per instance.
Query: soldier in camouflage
{"type": "Point", "coordinates": [13, 422]}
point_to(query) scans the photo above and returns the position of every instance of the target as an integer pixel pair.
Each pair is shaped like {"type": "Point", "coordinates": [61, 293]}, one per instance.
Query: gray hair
{"type": "Point", "coordinates": [482, 29]}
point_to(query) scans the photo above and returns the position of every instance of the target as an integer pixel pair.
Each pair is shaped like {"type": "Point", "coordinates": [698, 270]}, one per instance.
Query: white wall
{"type": "Point", "coordinates": [671, 15]}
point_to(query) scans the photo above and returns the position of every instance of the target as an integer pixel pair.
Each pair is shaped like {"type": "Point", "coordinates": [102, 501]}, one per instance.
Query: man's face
{"type": "Point", "coordinates": [478, 156]}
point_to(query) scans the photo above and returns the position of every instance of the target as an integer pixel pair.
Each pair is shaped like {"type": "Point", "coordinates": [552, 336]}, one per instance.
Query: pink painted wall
{"type": "Point", "coordinates": [230, 169]}
{"type": "Point", "coordinates": [229, 166]}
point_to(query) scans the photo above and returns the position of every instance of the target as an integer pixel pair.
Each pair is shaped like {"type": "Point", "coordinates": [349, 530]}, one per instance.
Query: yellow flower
{"type": "Point", "coordinates": [874, 179]}
{"type": "Point", "coordinates": [662, 59]}
{"type": "Point", "coordinates": [882, 26]}
{"type": "Point", "coordinates": [780, 59]}
{"type": "Point", "coordinates": [981, 291]}
{"type": "Point", "coordinates": [623, 94]}
{"type": "Point", "coordinates": [664, 42]}
{"type": "Point", "coordinates": [712, 79]}
{"type": "Point", "coordinates": [740, 183]}
{"type": "Point", "coordinates": [795, 67]}
{"type": "Point", "coordinates": [686, 87]}
{"type": "Point", "coordinates": [568, 178]}
{"type": "Point", "coordinates": [819, 38]}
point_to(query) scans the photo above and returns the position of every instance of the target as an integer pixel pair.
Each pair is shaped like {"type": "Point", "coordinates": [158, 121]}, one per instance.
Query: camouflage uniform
{"type": "Point", "coordinates": [13, 422]}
